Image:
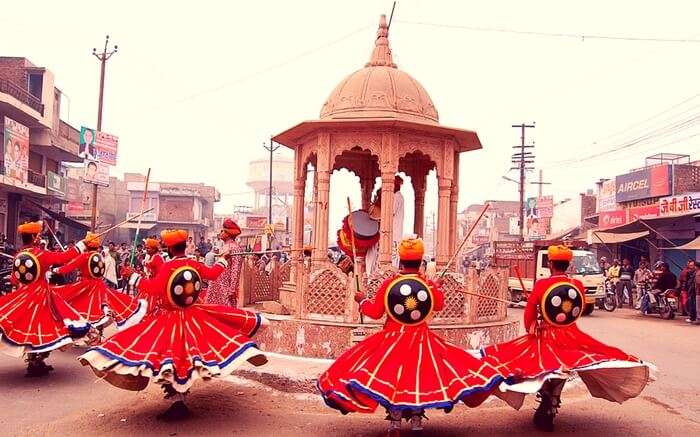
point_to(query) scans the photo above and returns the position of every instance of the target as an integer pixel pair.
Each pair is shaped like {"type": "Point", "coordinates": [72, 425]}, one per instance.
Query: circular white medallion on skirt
{"type": "Point", "coordinates": [561, 317]}
{"type": "Point", "coordinates": [189, 300]}
{"type": "Point", "coordinates": [415, 315]}
{"type": "Point", "coordinates": [29, 263]}
{"type": "Point", "coordinates": [572, 293]}
{"type": "Point", "coordinates": [197, 285]}
{"type": "Point", "coordinates": [422, 295]}
{"type": "Point", "coordinates": [398, 309]}
{"type": "Point", "coordinates": [178, 290]}
{"type": "Point", "coordinates": [405, 289]}
{"type": "Point", "coordinates": [556, 301]}
{"type": "Point", "coordinates": [187, 275]}
{"type": "Point", "coordinates": [575, 311]}
{"type": "Point", "coordinates": [29, 277]}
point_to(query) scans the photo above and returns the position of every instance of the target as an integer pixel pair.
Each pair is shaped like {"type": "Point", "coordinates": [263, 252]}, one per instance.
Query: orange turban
{"type": "Point", "coordinates": [92, 240]}
{"type": "Point", "coordinates": [151, 243]}
{"type": "Point", "coordinates": [30, 228]}
{"type": "Point", "coordinates": [171, 237]}
{"type": "Point", "coordinates": [411, 249]}
{"type": "Point", "coordinates": [559, 253]}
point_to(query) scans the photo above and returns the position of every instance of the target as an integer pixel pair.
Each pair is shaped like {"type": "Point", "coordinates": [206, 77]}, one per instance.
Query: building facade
{"type": "Point", "coordinates": [35, 143]}
{"type": "Point", "coordinates": [175, 205]}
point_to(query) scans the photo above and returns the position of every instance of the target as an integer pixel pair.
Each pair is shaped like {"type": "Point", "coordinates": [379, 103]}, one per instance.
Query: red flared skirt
{"type": "Point", "coordinates": [406, 368]}
{"type": "Point", "coordinates": [97, 303]}
{"type": "Point", "coordinates": [37, 319]}
{"type": "Point", "coordinates": [553, 349]}
{"type": "Point", "coordinates": [178, 346]}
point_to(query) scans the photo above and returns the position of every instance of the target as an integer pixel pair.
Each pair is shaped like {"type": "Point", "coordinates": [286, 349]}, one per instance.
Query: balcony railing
{"type": "Point", "coordinates": [22, 95]}
{"type": "Point", "coordinates": [37, 179]}
{"type": "Point", "coordinates": [68, 132]}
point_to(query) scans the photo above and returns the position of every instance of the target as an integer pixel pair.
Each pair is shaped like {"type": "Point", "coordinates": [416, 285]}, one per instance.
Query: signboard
{"type": "Point", "coordinates": [682, 204]}
{"type": "Point", "coordinates": [255, 222]}
{"type": "Point", "coordinates": [611, 219]}
{"type": "Point", "coordinates": [545, 206]}
{"type": "Point", "coordinates": [87, 143]}
{"type": "Point", "coordinates": [642, 184]}
{"type": "Point", "coordinates": [606, 196]}
{"type": "Point", "coordinates": [96, 173]}
{"type": "Point", "coordinates": [646, 211]}
{"type": "Point", "coordinates": [55, 183]}
{"type": "Point", "coordinates": [106, 146]}
{"type": "Point", "coordinates": [16, 157]}
{"type": "Point", "coordinates": [480, 239]}
{"type": "Point", "coordinates": [513, 226]}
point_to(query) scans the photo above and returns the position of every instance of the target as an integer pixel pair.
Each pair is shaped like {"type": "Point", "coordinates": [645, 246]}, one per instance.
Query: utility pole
{"type": "Point", "coordinates": [539, 184]}
{"type": "Point", "coordinates": [102, 57]}
{"type": "Point", "coordinates": [272, 148]}
{"type": "Point", "coordinates": [522, 159]}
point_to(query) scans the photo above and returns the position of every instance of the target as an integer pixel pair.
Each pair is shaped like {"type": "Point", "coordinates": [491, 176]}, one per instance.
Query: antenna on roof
{"type": "Point", "coordinates": [391, 16]}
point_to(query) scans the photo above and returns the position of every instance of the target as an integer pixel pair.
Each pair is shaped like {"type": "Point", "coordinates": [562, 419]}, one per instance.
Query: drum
{"type": "Point", "coordinates": [26, 268]}
{"type": "Point", "coordinates": [562, 304]}
{"type": "Point", "coordinates": [184, 286]}
{"type": "Point", "coordinates": [409, 300]}
{"type": "Point", "coordinates": [366, 233]}
{"type": "Point", "coordinates": [96, 264]}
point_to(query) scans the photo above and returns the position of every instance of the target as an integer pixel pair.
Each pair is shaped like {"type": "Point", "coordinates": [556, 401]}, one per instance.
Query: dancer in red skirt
{"type": "Point", "coordinates": [151, 266]}
{"type": "Point", "coordinates": [406, 368]}
{"type": "Point", "coordinates": [224, 290]}
{"type": "Point", "coordinates": [154, 260]}
{"type": "Point", "coordinates": [554, 349]}
{"type": "Point", "coordinates": [35, 320]}
{"type": "Point", "coordinates": [90, 295]}
{"type": "Point", "coordinates": [184, 340]}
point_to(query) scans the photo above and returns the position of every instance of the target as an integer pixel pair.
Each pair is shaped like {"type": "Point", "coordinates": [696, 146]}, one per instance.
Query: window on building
{"type": "Point", "coordinates": [52, 165]}
{"type": "Point", "coordinates": [35, 84]}
{"type": "Point", "coordinates": [35, 162]}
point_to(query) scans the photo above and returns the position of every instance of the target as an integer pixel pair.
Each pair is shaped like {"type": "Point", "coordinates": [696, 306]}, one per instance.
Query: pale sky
{"type": "Point", "coordinates": [197, 87]}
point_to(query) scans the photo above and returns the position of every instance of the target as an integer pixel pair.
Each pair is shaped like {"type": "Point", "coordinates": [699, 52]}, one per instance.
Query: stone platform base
{"type": "Point", "coordinates": [325, 339]}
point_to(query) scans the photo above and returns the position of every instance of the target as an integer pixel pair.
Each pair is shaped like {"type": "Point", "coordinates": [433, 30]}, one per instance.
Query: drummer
{"type": "Point", "coordinates": [372, 256]}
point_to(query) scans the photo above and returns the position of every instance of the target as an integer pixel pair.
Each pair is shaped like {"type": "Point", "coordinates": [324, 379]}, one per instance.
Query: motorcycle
{"type": "Point", "coordinates": [610, 300]}
{"type": "Point", "coordinates": [663, 303]}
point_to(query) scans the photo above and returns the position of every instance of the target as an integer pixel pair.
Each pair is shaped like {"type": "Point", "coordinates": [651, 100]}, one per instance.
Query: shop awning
{"type": "Point", "coordinates": [134, 225]}
{"type": "Point", "coordinates": [61, 218]}
{"type": "Point", "coordinates": [653, 222]}
{"type": "Point", "coordinates": [603, 237]}
{"type": "Point", "coordinates": [691, 245]}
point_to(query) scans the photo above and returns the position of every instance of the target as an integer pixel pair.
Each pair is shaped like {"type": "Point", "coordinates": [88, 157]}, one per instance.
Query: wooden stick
{"type": "Point", "coordinates": [516, 268]}
{"type": "Point", "coordinates": [63, 249]}
{"type": "Point", "coordinates": [354, 253]}
{"type": "Point", "coordinates": [121, 223]}
{"type": "Point", "coordinates": [264, 252]}
{"type": "Point", "coordinates": [466, 237]}
{"type": "Point", "coordinates": [498, 299]}
{"type": "Point", "coordinates": [138, 226]}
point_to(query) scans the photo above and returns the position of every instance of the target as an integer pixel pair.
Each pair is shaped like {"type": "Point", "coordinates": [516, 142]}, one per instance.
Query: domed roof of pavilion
{"type": "Point", "coordinates": [380, 90]}
{"type": "Point", "coordinates": [379, 96]}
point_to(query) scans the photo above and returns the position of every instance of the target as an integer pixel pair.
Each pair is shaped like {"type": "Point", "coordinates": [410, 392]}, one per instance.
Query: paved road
{"type": "Point", "coordinates": [73, 402]}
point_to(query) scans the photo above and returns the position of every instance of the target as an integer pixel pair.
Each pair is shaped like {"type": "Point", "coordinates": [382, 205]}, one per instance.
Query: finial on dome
{"type": "Point", "coordinates": [381, 55]}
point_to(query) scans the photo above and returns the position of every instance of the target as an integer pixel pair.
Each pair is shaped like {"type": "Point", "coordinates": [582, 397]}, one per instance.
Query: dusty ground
{"type": "Point", "coordinates": [72, 402]}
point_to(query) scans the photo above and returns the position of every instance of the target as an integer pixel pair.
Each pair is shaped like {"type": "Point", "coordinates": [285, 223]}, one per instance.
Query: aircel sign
{"type": "Point", "coordinates": [643, 184]}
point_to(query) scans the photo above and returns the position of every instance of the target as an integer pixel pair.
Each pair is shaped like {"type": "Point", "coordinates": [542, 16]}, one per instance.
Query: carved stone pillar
{"type": "Point", "coordinates": [419, 215]}
{"type": "Point", "coordinates": [389, 167]}
{"type": "Point", "coordinates": [292, 292]}
{"type": "Point", "coordinates": [323, 182]}
{"type": "Point", "coordinates": [443, 225]}
{"type": "Point", "coordinates": [367, 184]}
{"type": "Point", "coordinates": [454, 199]}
